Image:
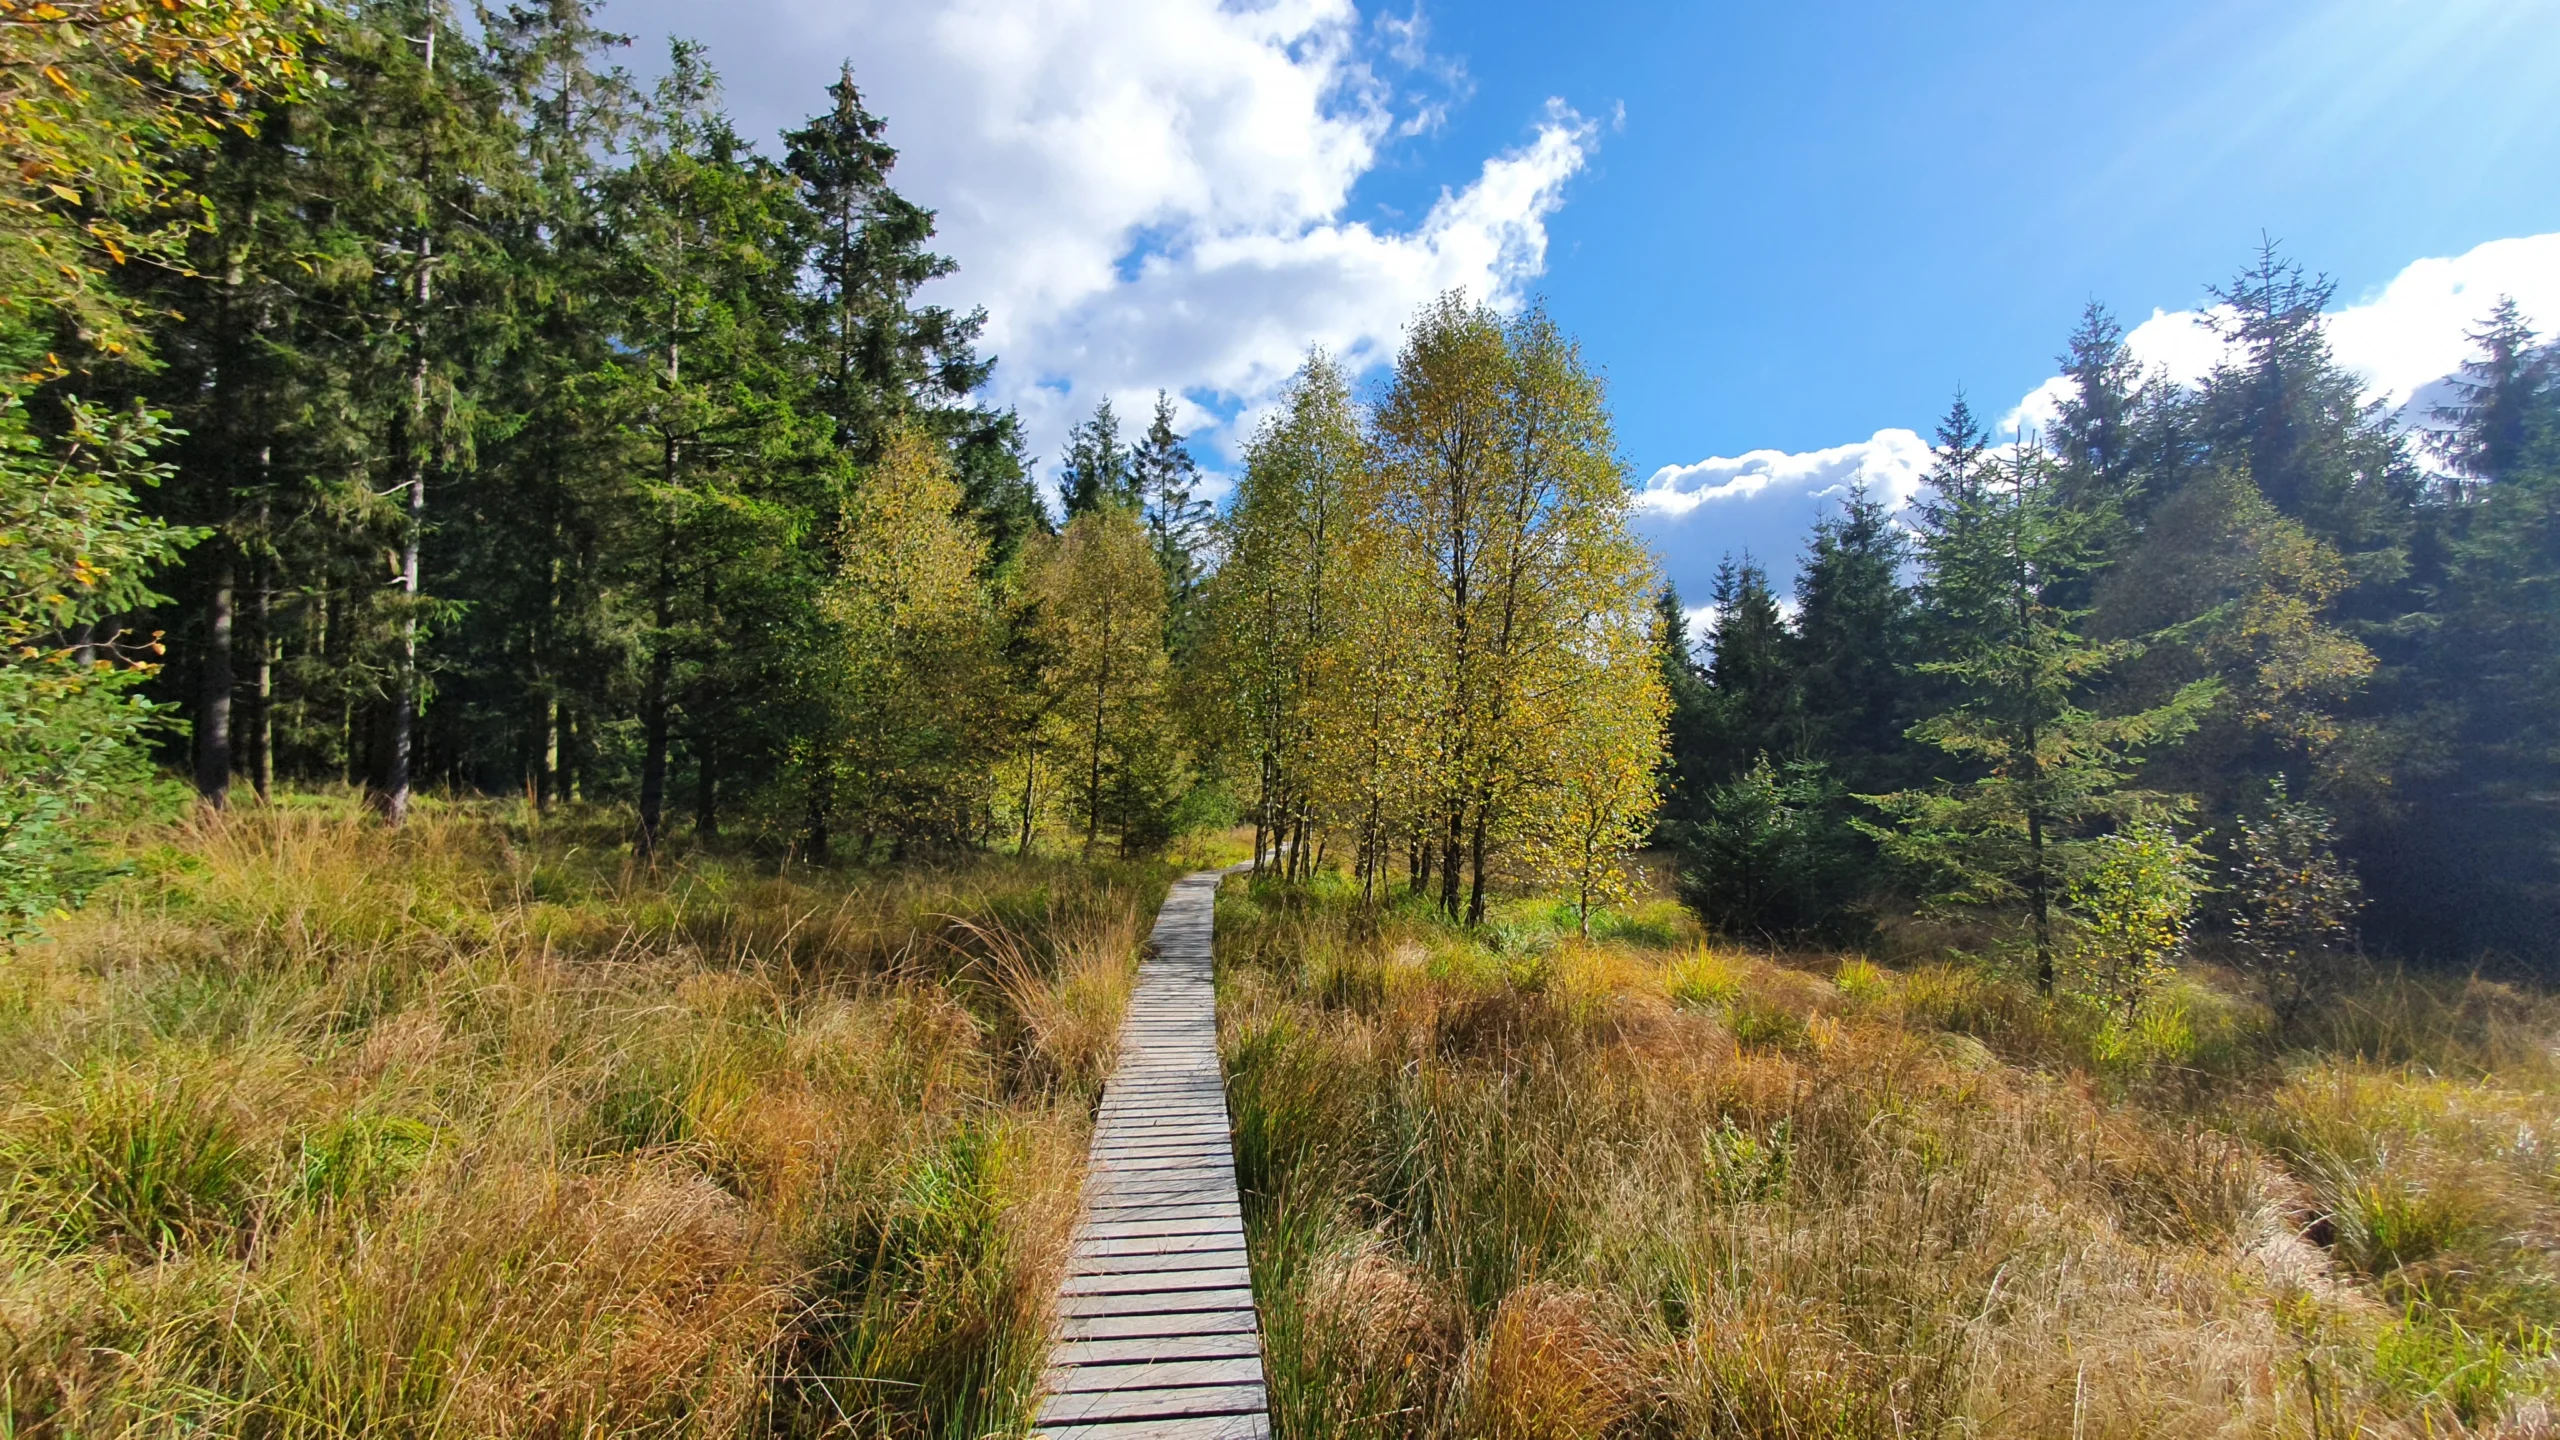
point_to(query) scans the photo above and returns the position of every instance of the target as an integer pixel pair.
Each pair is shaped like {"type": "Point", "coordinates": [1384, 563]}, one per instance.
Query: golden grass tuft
{"type": "Point", "coordinates": [311, 1129]}
{"type": "Point", "coordinates": [1659, 1187]}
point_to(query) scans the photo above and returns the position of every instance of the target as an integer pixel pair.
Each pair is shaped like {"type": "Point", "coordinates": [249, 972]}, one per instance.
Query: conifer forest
{"type": "Point", "coordinates": [578, 809]}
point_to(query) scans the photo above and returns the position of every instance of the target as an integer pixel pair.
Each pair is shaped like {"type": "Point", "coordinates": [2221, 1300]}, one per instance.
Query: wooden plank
{"type": "Point", "coordinates": [1088, 1379]}
{"type": "Point", "coordinates": [1182, 1403]}
{"type": "Point", "coordinates": [1141, 1162]}
{"type": "Point", "coordinates": [1200, 1128]}
{"type": "Point", "coordinates": [1132, 1205]}
{"type": "Point", "coordinates": [1159, 1282]}
{"type": "Point", "coordinates": [1166, 1265]}
{"type": "Point", "coordinates": [1168, 1228]}
{"type": "Point", "coordinates": [1160, 1208]}
{"type": "Point", "coordinates": [1221, 1427]}
{"type": "Point", "coordinates": [1157, 1347]}
{"type": "Point", "coordinates": [1165, 1324]}
{"type": "Point", "coordinates": [1225, 1237]}
{"type": "Point", "coordinates": [1196, 1180]}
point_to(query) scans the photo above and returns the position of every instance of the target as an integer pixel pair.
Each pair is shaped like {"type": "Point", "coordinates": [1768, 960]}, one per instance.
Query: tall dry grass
{"type": "Point", "coordinates": [1511, 1184]}
{"type": "Point", "coordinates": [310, 1129]}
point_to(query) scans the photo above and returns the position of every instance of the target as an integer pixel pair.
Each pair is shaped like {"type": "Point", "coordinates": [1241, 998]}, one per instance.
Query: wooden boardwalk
{"type": "Point", "coordinates": [1156, 1332]}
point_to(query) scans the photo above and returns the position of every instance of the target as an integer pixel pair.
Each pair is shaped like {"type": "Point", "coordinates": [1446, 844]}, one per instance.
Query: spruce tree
{"type": "Point", "coordinates": [1689, 726]}
{"type": "Point", "coordinates": [1165, 478]}
{"type": "Point", "coordinates": [1853, 644]}
{"type": "Point", "coordinates": [1095, 470]}
{"type": "Point", "coordinates": [2502, 399]}
{"type": "Point", "coordinates": [726, 474]}
{"type": "Point", "coordinates": [2285, 412]}
{"type": "Point", "coordinates": [1752, 701]}
{"type": "Point", "coordinates": [2096, 428]}
{"type": "Point", "coordinates": [2031, 763]}
{"type": "Point", "coordinates": [2475, 863]}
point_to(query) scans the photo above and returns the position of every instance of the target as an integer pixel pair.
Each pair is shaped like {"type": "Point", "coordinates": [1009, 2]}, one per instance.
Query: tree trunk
{"type": "Point", "coordinates": [1030, 773]}
{"type": "Point", "coordinates": [572, 757]}
{"type": "Point", "coordinates": [1451, 872]}
{"type": "Point", "coordinates": [213, 709]}
{"type": "Point", "coordinates": [706, 789]}
{"type": "Point", "coordinates": [404, 704]}
{"type": "Point", "coordinates": [262, 758]}
{"type": "Point", "coordinates": [2040, 899]}
{"type": "Point", "coordinates": [654, 697]}
{"type": "Point", "coordinates": [821, 802]}
{"type": "Point", "coordinates": [1475, 856]}
{"type": "Point", "coordinates": [554, 715]}
{"type": "Point", "coordinates": [1093, 785]}
{"type": "Point", "coordinates": [653, 753]}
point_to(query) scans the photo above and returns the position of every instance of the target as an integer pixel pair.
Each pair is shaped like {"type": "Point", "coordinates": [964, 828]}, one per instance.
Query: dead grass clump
{"type": "Point", "coordinates": [1549, 1367]}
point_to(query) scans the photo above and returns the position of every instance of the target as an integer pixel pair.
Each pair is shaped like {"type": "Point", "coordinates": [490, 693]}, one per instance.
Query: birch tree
{"type": "Point", "coordinates": [1102, 613]}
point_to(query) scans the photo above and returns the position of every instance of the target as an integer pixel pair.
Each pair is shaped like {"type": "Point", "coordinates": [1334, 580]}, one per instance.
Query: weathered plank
{"type": "Point", "coordinates": [1196, 1428]}
{"type": "Point", "coordinates": [1171, 1266]}
{"type": "Point", "coordinates": [1212, 1346]}
{"type": "Point", "coordinates": [1137, 1324]}
{"type": "Point", "coordinates": [1089, 1378]}
{"type": "Point", "coordinates": [1178, 1403]}
{"type": "Point", "coordinates": [1156, 1333]}
{"type": "Point", "coordinates": [1159, 1280]}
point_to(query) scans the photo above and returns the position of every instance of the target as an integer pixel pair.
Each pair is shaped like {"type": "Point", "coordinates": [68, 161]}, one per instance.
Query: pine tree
{"type": "Point", "coordinates": [2475, 863]}
{"type": "Point", "coordinates": [2096, 436]}
{"type": "Point", "coordinates": [2035, 764]}
{"type": "Point", "coordinates": [2286, 413]}
{"type": "Point", "coordinates": [541, 644]}
{"type": "Point", "coordinates": [1688, 725]}
{"type": "Point", "coordinates": [422, 137]}
{"type": "Point", "coordinates": [727, 473]}
{"type": "Point", "coordinates": [1751, 684]}
{"type": "Point", "coordinates": [1853, 644]}
{"type": "Point", "coordinates": [1165, 476]}
{"type": "Point", "coordinates": [1096, 468]}
{"type": "Point", "coordinates": [2503, 399]}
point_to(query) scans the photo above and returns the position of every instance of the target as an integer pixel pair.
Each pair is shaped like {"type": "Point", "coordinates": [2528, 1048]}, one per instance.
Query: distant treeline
{"type": "Point", "coordinates": [518, 431]}
{"type": "Point", "coordinates": [2248, 607]}
{"type": "Point", "coordinates": [405, 403]}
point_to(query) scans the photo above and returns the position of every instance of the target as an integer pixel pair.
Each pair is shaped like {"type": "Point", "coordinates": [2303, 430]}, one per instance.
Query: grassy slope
{"type": "Point", "coordinates": [1527, 1186]}
{"type": "Point", "coordinates": [313, 1130]}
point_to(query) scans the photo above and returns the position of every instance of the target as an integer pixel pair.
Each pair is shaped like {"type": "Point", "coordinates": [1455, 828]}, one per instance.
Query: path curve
{"type": "Point", "coordinates": [1157, 1338]}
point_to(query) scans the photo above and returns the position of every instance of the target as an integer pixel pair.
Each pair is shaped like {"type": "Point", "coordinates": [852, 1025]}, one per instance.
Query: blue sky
{"type": "Point", "coordinates": [1788, 229]}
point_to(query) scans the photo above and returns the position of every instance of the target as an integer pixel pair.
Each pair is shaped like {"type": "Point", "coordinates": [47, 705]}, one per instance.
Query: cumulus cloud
{"type": "Point", "coordinates": [1232, 313]}
{"type": "Point", "coordinates": [1890, 464]}
{"type": "Point", "coordinates": [1151, 194]}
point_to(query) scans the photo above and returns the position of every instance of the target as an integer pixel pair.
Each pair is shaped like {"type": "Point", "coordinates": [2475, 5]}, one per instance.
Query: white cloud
{"type": "Point", "coordinates": [1153, 194]}
{"type": "Point", "coordinates": [1891, 463]}
{"type": "Point", "coordinates": [2401, 339]}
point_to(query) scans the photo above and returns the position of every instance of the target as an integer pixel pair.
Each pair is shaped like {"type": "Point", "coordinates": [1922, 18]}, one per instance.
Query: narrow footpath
{"type": "Point", "coordinates": [1156, 1332]}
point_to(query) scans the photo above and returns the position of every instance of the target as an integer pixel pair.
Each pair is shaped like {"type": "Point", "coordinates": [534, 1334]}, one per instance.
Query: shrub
{"type": "Point", "coordinates": [2298, 901]}
{"type": "Point", "coordinates": [2132, 904]}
